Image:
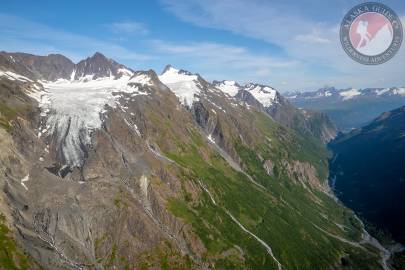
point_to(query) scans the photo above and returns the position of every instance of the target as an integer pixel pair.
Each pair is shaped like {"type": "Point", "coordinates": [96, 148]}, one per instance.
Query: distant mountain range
{"type": "Point", "coordinates": [350, 108]}
{"type": "Point", "coordinates": [105, 167]}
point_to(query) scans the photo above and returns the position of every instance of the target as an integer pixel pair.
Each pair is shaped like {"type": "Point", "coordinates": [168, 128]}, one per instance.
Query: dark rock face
{"type": "Point", "coordinates": [50, 68]}
{"type": "Point", "coordinates": [247, 97]}
{"type": "Point", "coordinates": [56, 66]}
{"type": "Point", "coordinates": [97, 65]}
{"type": "Point", "coordinates": [368, 171]}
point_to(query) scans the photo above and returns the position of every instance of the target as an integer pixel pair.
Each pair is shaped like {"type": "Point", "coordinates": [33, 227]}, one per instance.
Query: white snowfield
{"type": "Point", "coordinates": [391, 91]}
{"type": "Point", "coordinates": [229, 87]}
{"type": "Point", "coordinates": [349, 94]}
{"type": "Point", "coordinates": [380, 92]}
{"type": "Point", "coordinates": [328, 94]}
{"type": "Point", "coordinates": [399, 91]}
{"type": "Point", "coordinates": [142, 79]}
{"type": "Point", "coordinates": [264, 94]}
{"type": "Point", "coordinates": [185, 87]}
{"type": "Point", "coordinates": [72, 109]}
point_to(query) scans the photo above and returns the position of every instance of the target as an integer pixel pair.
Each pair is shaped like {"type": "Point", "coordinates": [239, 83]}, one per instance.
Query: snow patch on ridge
{"type": "Point", "coordinates": [399, 91]}
{"type": "Point", "coordinates": [14, 76]}
{"type": "Point", "coordinates": [185, 86]}
{"type": "Point", "coordinates": [141, 79]}
{"type": "Point", "coordinates": [380, 92]}
{"type": "Point", "coordinates": [229, 87]}
{"type": "Point", "coordinates": [264, 94]}
{"type": "Point", "coordinates": [25, 179]}
{"type": "Point", "coordinates": [349, 94]}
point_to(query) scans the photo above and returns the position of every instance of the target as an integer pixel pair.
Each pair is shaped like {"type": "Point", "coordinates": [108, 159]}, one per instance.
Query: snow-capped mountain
{"type": "Point", "coordinates": [264, 94]}
{"type": "Point", "coordinates": [268, 99]}
{"type": "Point", "coordinates": [104, 167]}
{"type": "Point", "coordinates": [350, 108]}
{"type": "Point", "coordinates": [74, 105]}
{"type": "Point", "coordinates": [185, 85]}
{"type": "Point", "coordinates": [98, 66]}
{"type": "Point", "coordinates": [347, 93]}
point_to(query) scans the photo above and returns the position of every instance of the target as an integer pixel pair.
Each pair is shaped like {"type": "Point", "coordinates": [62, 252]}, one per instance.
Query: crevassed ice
{"type": "Point", "coordinates": [184, 86]}
{"type": "Point", "coordinates": [71, 110]}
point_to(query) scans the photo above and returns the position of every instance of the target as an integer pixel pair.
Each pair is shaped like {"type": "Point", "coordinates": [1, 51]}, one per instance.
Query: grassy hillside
{"type": "Point", "coordinates": [301, 224]}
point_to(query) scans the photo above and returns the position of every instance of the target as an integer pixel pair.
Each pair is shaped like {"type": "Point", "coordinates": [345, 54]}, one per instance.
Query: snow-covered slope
{"type": "Point", "coordinates": [228, 87]}
{"type": "Point", "coordinates": [183, 84]}
{"type": "Point", "coordinates": [72, 109]}
{"type": "Point", "coordinates": [264, 94]}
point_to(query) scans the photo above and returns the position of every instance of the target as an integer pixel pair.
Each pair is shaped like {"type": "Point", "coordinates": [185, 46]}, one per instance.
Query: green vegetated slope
{"type": "Point", "coordinates": [301, 224]}
{"type": "Point", "coordinates": [11, 258]}
{"type": "Point", "coordinates": [13, 103]}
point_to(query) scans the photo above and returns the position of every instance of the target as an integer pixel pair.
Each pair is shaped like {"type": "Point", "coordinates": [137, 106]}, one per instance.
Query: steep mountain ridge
{"type": "Point", "coordinates": [266, 98]}
{"type": "Point", "coordinates": [161, 183]}
{"type": "Point", "coordinates": [55, 66]}
{"type": "Point", "coordinates": [368, 165]}
{"type": "Point", "coordinates": [99, 66]}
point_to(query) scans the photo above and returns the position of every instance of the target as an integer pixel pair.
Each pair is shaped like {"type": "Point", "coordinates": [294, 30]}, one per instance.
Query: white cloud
{"type": "Point", "coordinates": [18, 34]}
{"type": "Point", "coordinates": [219, 53]}
{"type": "Point", "coordinates": [313, 37]}
{"type": "Point", "coordinates": [307, 31]}
{"type": "Point", "coordinates": [128, 27]}
{"type": "Point", "coordinates": [224, 61]}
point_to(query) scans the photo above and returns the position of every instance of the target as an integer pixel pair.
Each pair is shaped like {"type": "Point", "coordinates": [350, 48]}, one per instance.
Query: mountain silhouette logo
{"type": "Point", "coordinates": [371, 33]}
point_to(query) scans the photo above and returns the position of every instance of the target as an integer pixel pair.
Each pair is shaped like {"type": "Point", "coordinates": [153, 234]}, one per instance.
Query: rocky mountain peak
{"type": "Point", "coordinates": [167, 68]}
{"type": "Point", "coordinates": [49, 68]}
{"type": "Point", "coordinates": [99, 56]}
{"type": "Point", "coordinates": [98, 66]}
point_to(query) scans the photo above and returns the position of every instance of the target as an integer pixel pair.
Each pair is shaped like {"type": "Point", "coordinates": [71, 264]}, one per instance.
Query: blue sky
{"type": "Point", "coordinates": [289, 44]}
